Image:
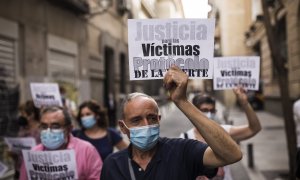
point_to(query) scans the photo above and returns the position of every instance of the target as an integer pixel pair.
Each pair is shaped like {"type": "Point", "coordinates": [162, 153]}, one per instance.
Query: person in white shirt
{"type": "Point", "coordinates": [296, 110]}
{"type": "Point", "coordinates": [207, 104]}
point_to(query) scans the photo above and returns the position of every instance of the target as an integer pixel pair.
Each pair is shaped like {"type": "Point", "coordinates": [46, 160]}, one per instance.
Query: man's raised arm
{"type": "Point", "coordinates": [243, 132]}
{"type": "Point", "coordinates": [222, 149]}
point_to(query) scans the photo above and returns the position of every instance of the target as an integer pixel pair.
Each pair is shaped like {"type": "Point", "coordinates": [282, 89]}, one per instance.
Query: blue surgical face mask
{"type": "Point", "coordinates": [145, 137]}
{"type": "Point", "coordinates": [52, 139]}
{"type": "Point", "coordinates": [88, 121]}
{"type": "Point", "coordinates": [210, 115]}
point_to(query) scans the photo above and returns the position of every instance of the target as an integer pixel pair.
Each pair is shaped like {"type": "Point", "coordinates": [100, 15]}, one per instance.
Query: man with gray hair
{"type": "Point", "coordinates": [55, 127]}
{"type": "Point", "coordinates": [152, 157]}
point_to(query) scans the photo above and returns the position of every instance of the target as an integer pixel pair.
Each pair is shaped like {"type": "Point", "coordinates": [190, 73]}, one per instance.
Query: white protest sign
{"type": "Point", "coordinates": [3, 169]}
{"type": "Point", "coordinates": [20, 143]}
{"type": "Point", "coordinates": [45, 94]}
{"type": "Point", "coordinates": [50, 164]}
{"type": "Point", "coordinates": [230, 72]}
{"type": "Point", "coordinates": [156, 44]}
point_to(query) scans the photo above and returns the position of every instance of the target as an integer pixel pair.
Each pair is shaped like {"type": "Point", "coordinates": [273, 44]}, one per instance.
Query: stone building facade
{"type": "Point", "coordinates": [240, 32]}
{"type": "Point", "coordinates": [286, 14]}
{"type": "Point", "coordinates": [64, 42]}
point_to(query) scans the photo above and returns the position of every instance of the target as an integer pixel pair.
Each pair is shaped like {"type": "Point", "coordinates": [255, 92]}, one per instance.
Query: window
{"type": "Point", "coordinates": [7, 62]}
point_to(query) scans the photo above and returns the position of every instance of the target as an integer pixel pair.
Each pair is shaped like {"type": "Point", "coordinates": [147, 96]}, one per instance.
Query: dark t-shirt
{"type": "Point", "coordinates": [105, 145]}
{"type": "Point", "coordinates": [176, 159]}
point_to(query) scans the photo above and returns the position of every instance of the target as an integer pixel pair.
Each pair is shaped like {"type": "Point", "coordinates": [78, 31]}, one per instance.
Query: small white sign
{"type": "Point", "coordinates": [50, 164]}
{"type": "Point", "coordinates": [45, 94]}
{"type": "Point", "coordinates": [20, 143]}
{"type": "Point", "coordinates": [3, 169]}
{"type": "Point", "coordinates": [230, 72]}
{"type": "Point", "coordinates": [156, 44]}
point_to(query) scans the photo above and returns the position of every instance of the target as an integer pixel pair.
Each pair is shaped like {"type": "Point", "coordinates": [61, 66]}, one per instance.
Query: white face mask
{"type": "Point", "coordinates": [211, 116]}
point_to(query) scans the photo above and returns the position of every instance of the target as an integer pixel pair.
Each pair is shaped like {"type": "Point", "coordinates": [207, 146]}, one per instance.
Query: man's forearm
{"type": "Point", "coordinates": [254, 124]}
{"type": "Point", "coordinates": [215, 136]}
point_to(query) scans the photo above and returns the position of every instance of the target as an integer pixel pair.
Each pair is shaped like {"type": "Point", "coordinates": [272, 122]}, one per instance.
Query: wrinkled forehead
{"type": "Point", "coordinates": [53, 117]}
{"type": "Point", "coordinates": [140, 100]}
{"type": "Point", "coordinates": [140, 103]}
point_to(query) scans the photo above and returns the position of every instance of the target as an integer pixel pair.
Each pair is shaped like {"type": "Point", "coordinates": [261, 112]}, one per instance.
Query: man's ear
{"type": "Point", "coordinates": [122, 126]}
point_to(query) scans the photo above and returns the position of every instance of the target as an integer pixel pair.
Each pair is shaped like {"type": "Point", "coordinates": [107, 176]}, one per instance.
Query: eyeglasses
{"type": "Point", "coordinates": [54, 126]}
{"type": "Point", "coordinates": [206, 110]}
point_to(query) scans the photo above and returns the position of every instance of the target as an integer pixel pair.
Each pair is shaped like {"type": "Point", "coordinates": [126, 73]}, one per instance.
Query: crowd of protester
{"type": "Point", "coordinates": [101, 151]}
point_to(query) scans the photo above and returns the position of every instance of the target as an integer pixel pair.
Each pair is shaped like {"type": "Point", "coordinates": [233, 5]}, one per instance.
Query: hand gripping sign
{"type": "Point", "coordinates": [50, 164]}
{"type": "Point", "coordinates": [156, 44]}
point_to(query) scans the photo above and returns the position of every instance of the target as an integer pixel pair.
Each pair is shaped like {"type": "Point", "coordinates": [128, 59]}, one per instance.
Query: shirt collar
{"type": "Point", "coordinates": [158, 154]}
